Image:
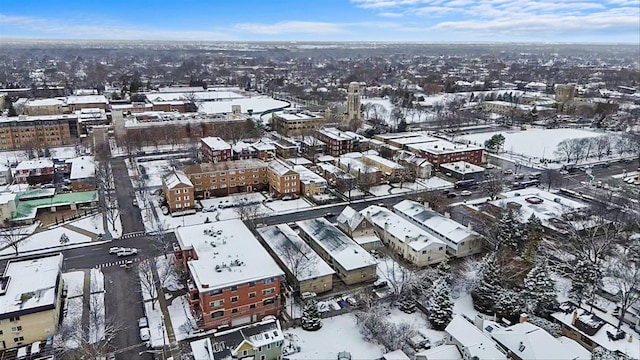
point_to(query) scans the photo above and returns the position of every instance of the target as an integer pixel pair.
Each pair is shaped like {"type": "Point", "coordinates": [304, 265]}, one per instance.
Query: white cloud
{"type": "Point", "coordinates": [291, 27]}
{"type": "Point", "coordinates": [390, 14]}
{"type": "Point", "coordinates": [70, 29]}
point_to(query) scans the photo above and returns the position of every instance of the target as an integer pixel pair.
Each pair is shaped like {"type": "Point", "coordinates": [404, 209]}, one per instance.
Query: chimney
{"type": "Point", "coordinates": [478, 321]}
{"type": "Point", "coordinates": [523, 317]}
{"type": "Point", "coordinates": [447, 215]}
{"type": "Point", "coordinates": [470, 226]}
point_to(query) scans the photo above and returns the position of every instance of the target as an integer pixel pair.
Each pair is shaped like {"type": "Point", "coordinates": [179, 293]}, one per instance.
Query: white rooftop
{"type": "Point", "coordinates": [462, 167]}
{"type": "Point", "coordinates": [307, 176]}
{"type": "Point", "coordinates": [297, 115]}
{"type": "Point", "coordinates": [35, 164]}
{"type": "Point", "coordinates": [335, 134]}
{"type": "Point", "coordinates": [82, 167]}
{"type": "Point", "coordinates": [356, 166]}
{"type": "Point", "coordinates": [279, 167]}
{"type": "Point", "coordinates": [176, 178]}
{"type": "Point", "coordinates": [445, 228]}
{"type": "Point", "coordinates": [350, 218]}
{"type": "Point", "coordinates": [344, 251]}
{"type": "Point", "coordinates": [257, 105]}
{"type": "Point", "coordinates": [31, 284]}
{"type": "Point", "coordinates": [400, 228]}
{"type": "Point", "coordinates": [87, 99]}
{"type": "Point", "coordinates": [295, 254]}
{"type": "Point", "coordinates": [552, 205]}
{"type": "Point", "coordinates": [442, 352]}
{"type": "Point", "coordinates": [228, 254]}
{"type": "Point", "coordinates": [216, 143]}
{"type": "Point", "coordinates": [442, 147]}
{"type": "Point", "coordinates": [473, 340]}
{"type": "Point", "coordinates": [386, 162]}
{"type": "Point", "coordinates": [46, 102]}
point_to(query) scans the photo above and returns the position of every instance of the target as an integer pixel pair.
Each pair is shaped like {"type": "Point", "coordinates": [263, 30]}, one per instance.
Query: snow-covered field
{"type": "Point", "coordinates": [434, 183]}
{"type": "Point", "coordinates": [70, 322]}
{"type": "Point", "coordinates": [47, 239]}
{"type": "Point", "coordinates": [94, 224]}
{"type": "Point", "coordinates": [337, 334]}
{"type": "Point", "coordinates": [534, 143]}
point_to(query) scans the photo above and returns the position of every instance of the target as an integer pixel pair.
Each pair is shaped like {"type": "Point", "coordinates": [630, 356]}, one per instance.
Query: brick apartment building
{"type": "Point", "coordinates": [227, 177]}
{"type": "Point", "coordinates": [178, 191]}
{"type": "Point", "coordinates": [232, 279]}
{"type": "Point", "coordinates": [283, 180]}
{"type": "Point", "coordinates": [214, 149]}
{"type": "Point", "coordinates": [291, 123]}
{"type": "Point", "coordinates": [33, 132]}
{"type": "Point", "coordinates": [337, 142]}
{"type": "Point", "coordinates": [442, 151]}
{"type": "Point", "coordinates": [39, 171]}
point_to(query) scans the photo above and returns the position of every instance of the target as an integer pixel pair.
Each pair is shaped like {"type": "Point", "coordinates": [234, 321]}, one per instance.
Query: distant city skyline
{"type": "Point", "coordinates": [611, 21]}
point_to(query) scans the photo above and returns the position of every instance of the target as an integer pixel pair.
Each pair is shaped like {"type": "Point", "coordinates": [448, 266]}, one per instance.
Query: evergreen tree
{"type": "Point", "coordinates": [444, 272]}
{"type": "Point", "coordinates": [441, 310]}
{"type": "Point", "coordinates": [601, 353]}
{"type": "Point", "coordinates": [509, 235]}
{"type": "Point", "coordinates": [508, 305]}
{"type": "Point", "coordinates": [311, 316]}
{"type": "Point", "coordinates": [489, 288]}
{"type": "Point", "coordinates": [534, 234]}
{"type": "Point", "coordinates": [540, 290]}
{"type": "Point", "coordinates": [584, 280]}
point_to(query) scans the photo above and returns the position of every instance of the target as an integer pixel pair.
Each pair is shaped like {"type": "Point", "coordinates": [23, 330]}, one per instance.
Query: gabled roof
{"type": "Point", "coordinates": [177, 178]}
{"type": "Point", "coordinates": [215, 143]}
{"type": "Point", "coordinates": [528, 341]}
{"type": "Point", "coordinates": [472, 340]}
{"type": "Point", "coordinates": [350, 218]}
{"type": "Point", "coordinates": [280, 168]}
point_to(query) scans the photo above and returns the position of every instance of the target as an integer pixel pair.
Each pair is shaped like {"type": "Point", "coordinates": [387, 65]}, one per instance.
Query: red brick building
{"type": "Point", "coordinates": [232, 279]}
{"type": "Point", "coordinates": [338, 142]}
{"type": "Point", "coordinates": [442, 151]}
{"type": "Point", "coordinates": [214, 149]}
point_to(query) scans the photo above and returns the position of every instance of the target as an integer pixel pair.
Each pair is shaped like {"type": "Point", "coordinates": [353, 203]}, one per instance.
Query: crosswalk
{"type": "Point", "coordinates": [117, 262]}
{"type": "Point", "coordinates": [132, 235]}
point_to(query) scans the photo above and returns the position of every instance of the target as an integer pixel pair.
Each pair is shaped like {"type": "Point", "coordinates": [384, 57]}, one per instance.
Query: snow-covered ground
{"type": "Point", "coordinates": [164, 266]}
{"type": "Point", "coordinates": [279, 206]}
{"type": "Point", "coordinates": [418, 321]}
{"type": "Point", "coordinates": [434, 183]}
{"type": "Point", "coordinates": [155, 170]}
{"type": "Point", "coordinates": [46, 240]}
{"type": "Point", "coordinates": [97, 320]}
{"type": "Point", "coordinates": [70, 322]}
{"type": "Point", "coordinates": [339, 333]}
{"type": "Point", "coordinates": [94, 224]}
{"type": "Point", "coordinates": [74, 282]}
{"type": "Point", "coordinates": [181, 319]}
{"type": "Point", "coordinates": [154, 316]}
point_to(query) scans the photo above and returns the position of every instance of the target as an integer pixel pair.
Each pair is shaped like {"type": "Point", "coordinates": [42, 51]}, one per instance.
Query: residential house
{"type": "Point", "coordinates": [283, 180]}
{"type": "Point", "coordinates": [442, 151]}
{"type": "Point", "coordinates": [227, 177]}
{"type": "Point", "coordinates": [358, 228]}
{"type": "Point", "coordinates": [83, 173]}
{"type": "Point", "coordinates": [266, 150]}
{"type": "Point", "coordinates": [30, 300]}
{"type": "Point", "coordinates": [232, 279]}
{"type": "Point", "coordinates": [38, 171]}
{"type": "Point", "coordinates": [352, 263]}
{"type": "Point", "coordinates": [404, 238]}
{"type": "Point", "coordinates": [8, 205]}
{"type": "Point", "coordinates": [214, 149]}
{"type": "Point", "coordinates": [5, 174]}
{"type": "Point", "coordinates": [178, 191]}
{"type": "Point", "coordinates": [416, 165]}
{"type": "Point", "coordinates": [285, 149]}
{"type": "Point", "coordinates": [243, 150]}
{"type": "Point", "coordinates": [390, 169]}
{"type": "Point", "coordinates": [310, 183]}
{"type": "Point", "coordinates": [305, 270]}
{"type": "Point", "coordinates": [471, 341]}
{"type": "Point", "coordinates": [460, 240]}
{"type": "Point", "coordinates": [260, 341]}
{"type": "Point", "coordinates": [366, 175]}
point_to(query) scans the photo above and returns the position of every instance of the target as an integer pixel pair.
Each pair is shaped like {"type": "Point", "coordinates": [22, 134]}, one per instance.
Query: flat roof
{"type": "Point", "coordinates": [31, 285]}
{"type": "Point", "coordinates": [34, 164]}
{"type": "Point", "coordinates": [228, 254]}
{"type": "Point", "coordinates": [87, 99]}
{"type": "Point", "coordinates": [462, 167]}
{"type": "Point", "coordinates": [400, 228]}
{"type": "Point", "coordinates": [342, 249]}
{"type": "Point", "coordinates": [355, 165]}
{"type": "Point", "coordinates": [307, 176]}
{"type": "Point", "coordinates": [82, 167]}
{"type": "Point", "coordinates": [297, 115]}
{"type": "Point", "coordinates": [335, 134]}
{"type": "Point", "coordinates": [443, 147]}
{"type": "Point", "coordinates": [301, 261]}
{"type": "Point", "coordinates": [552, 205]}
{"type": "Point", "coordinates": [243, 164]}
{"type": "Point", "coordinates": [27, 209]}
{"type": "Point", "coordinates": [216, 143]}
{"type": "Point", "coordinates": [386, 162]}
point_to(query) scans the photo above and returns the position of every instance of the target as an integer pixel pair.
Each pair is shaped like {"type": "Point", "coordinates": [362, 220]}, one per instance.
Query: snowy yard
{"type": "Point", "coordinates": [71, 319]}
{"type": "Point", "coordinates": [165, 266]}
{"type": "Point", "coordinates": [154, 316]}
{"type": "Point", "coordinates": [337, 334]}
{"type": "Point", "coordinates": [287, 205]}
{"type": "Point", "coordinates": [47, 239]}
{"type": "Point", "coordinates": [181, 319]}
{"type": "Point", "coordinates": [97, 320]}
{"type": "Point", "coordinates": [74, 281]}
{"type": "Point", "coordinates": [94, 224]}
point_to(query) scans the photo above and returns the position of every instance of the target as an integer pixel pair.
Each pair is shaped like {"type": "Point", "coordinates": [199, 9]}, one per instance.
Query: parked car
{"type": "Point", "coordinates": [507, 171]}
{"type": "Point", "coordinates": [145, 334]}
{"type": "Point", "coordinates": [128, 252]}
{"type": "Point", "coordinates": [465, 193]}
{"type": "Point", "coordinates": [329, 215]}
{"type": "Point", "coordinates": [518, 176]}
{"type": "Point", "coordinates": [451, 195]}
{"type": "Point", "coordinates": [115, 250]}
{"type": "Point", "coordinates": [142, 322]}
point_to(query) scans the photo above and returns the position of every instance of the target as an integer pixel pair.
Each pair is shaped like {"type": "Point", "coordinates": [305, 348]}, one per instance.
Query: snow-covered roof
{"type": "Point", "coordinates": [228, 254]}
{"type": "Point", "coordinates": [175, 178]}
{"type": "Point", "coordinates": [342, 249]}
{"type": "Point", "coordinates": [473, 340]}
{"type": "Point", "coordinates": [335, 134]}
{"type": "Point", "coordinates": [82, 167]}
{"type": "Point", "coordinates": [257, 104]}
{"type": "Point", "coordinates": [242, 164]}
{"type": "Point", "coordinates": [5, 198]}
{"type": "Point", "coordinates": [294, 253]}
{"type": "Point", "coordinates": [196, 95]}
{"type": "Point", "coordinates": [263, 146]}
{"type": "Point", "coordinates": [350, 218]}
{"type": "Point", "coordinates": [336, 171]}
{"type": "Point", "coordinates": [241, 146]}
{"type": "Point", "coordinates": [385, 162]}
{"type": "Point", "coordinates": [35, 164]}
{"type": "Point", "coordinates": [30, 285]}
{"type": "Point", "coordinates": [395, 355]}
{"type": "Point", "coordinates": [528, 341]}
{"type": "Point", "coordinates": [449, 230]}
{"type": "Point", "coordinates": [413, 140]}
{"type": "Point", "coordinates": [46, 102]}
{"type": "Point", "coordinates": [215, 143]}
{"type": "Point", "coordinates": [552, 205]}
{"type": "Point", "coordinates": [307, 176]}
{"type": "Point", "coordinates": [87, 99]}
{"type": "Point", "coordinates": [298, 161]}
{"type": "Point", "coordinates": [400, 228]}
{"type": "Point", "coordinates": [297, 115]}
{"type": "Point", "coordinates": [357, 166]}
{"type": "Point", "coordinates": [280, 168]}
{"type": "Point", "coordinates": [442, 352]}
{"type": "Point", "coordinates": [462, 167]}
{"type": "Point", "coordinates": [326, 158]}
{"type": "Point", "coordinates": [443, 147]}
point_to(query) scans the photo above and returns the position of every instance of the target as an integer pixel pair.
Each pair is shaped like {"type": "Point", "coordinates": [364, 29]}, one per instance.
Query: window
{"type": "Point", "coordinates": [262, 357]}
{"type": "Point", "coordinates": [234, 299]}
{"type": "Point", "coordinates": [16, 329]}
{"type": "Point", "coordinates": [252, 284]}
{"type": "Point", "coordinates": [234, 288]}
{"type": "Point", "coordinates": [216, 303]}
{"type": "Point", "coordinates": [267, 281]}
{"type": "Point", "coordinates": [217, 314]}
{"type": "Point", "coordinates": [234, 310]}
{"type": "Point", "coordinates": [252, 306]}
{"type": "Point", "coordinates": [252, 295]}
{"type": "Point", "coordinates": [268, 291]}
{"type": "Point", "coordinates": [178, 198]}
{"type": "Point", "coordinates": [185, 191]}
{"type": "Point", "coordinates": [269, 301]}
{"type": "Point", "coordinates": [18, 339]}
{"type": "Point", "coordinates": [244, 352]}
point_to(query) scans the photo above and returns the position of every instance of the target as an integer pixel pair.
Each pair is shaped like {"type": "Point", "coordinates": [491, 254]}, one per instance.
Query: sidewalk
{"type": "Point", "coordinates": [174, 349]}
{"type": "Point", "coordinates": [84, 232]}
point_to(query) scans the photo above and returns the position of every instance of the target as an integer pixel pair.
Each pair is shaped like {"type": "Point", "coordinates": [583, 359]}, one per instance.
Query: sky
{"type": "Point", "coordinates": [611, 21]}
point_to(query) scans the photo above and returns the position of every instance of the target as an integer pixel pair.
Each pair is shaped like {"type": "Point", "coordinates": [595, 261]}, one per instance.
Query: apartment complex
{"type": "Point", "coordinates": [292, 122]}
{"type": "Point", "coordinates": [232, 279]}
{"type": "Point", "coordinates": [35, 132]}
{"type": "Point", "coordinates": [38, 171]}
{"type": "Point", "coordinates": [338, 142]}
{"type": "Point", "coordinates": [30, 300]}
{"type": "Point", "coordinates": [178, 191]}
{"type": "Point", "coordinates": [283, 180]}
{"type": "Point", "coordinates": [442, 151]}
{"type": "Point", "coordinates": [227, 177]}
{"type": "Point", "coordinates": [214, 149]}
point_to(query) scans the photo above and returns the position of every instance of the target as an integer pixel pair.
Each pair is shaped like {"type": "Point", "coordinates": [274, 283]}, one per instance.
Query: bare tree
{"type": "Point", "coordinates": [107, 202]}
{"type": "Point", "coordinates": [150, 286]}
{"type": "Point", "coordinates": [624, 275]}
{"type": "Point", "coordinates": [250, 214]}
{"type": "Point", "coordinates": [160, 238]}
{"type": "Point", "coordinates": [299, 259]}
{"type": "Point", "coordinates": [13, 237]}
{"type": "Point", "coordinates": [552, 177]}
{"type": "Point", "coordinates": [493, 184]}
